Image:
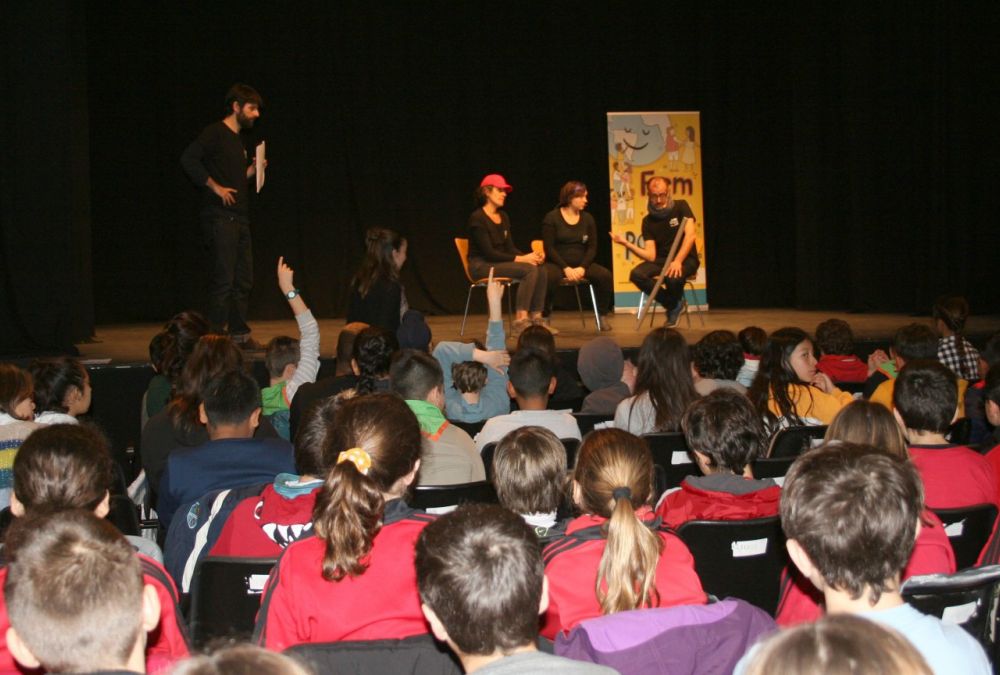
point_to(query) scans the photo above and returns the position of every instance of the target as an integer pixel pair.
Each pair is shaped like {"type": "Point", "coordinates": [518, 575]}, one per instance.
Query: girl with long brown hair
{"type": "Point", "coordinates": [355, 579]}
{"type": "Point", "coordinates": [615, 557]}
{"type": "Point", "coordinates": [664, 386]}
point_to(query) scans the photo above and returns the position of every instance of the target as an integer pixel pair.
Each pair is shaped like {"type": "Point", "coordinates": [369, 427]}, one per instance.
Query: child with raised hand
{"type": "Point", "coordinates": [17, 412]}
{"type": "Point", "coordinates": [616, 556]}
{"type": "Point", "coordinates": [62, 390]}
{"type": "Point", "coordinates": [479, 391]}
{"type": "Point", "coordinates": [788, 389]}
{"type": "Point", "coordinates": [355, 579]}
{"type": "Point", "coordinates": [290, 362]}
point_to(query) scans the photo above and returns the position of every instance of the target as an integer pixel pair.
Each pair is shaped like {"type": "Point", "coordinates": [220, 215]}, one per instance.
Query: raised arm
{"type": "Point", "coordinates": [308, 366]}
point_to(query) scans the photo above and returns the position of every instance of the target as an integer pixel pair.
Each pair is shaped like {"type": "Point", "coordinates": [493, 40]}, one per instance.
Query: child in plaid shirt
{"type": "Point", "coordinates": [954, 350]}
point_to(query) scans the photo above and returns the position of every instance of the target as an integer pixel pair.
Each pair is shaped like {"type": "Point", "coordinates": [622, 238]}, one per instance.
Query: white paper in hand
{"type": "Point", "coordinates": [259, 164]}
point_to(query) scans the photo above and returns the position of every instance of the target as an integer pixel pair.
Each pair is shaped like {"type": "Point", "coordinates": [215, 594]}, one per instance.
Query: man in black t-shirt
{"type": "Point", "coordinates": [666, 217]}
{"type": "Point", "coordinates": [217, 162]}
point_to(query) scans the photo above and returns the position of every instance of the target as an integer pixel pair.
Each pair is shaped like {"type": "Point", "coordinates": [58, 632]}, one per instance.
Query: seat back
{"type": "Point", "coordinates": [439, 496]}
{"type": "Point", "coordinates": [538, 246]}
{"type": "Point", "coordinates": [225, 597]}
{"type": "Point", "coordinates": [739, 558]}
{"type": "Point", "coordinates": [471, 428]}
{"type": "Point", "coordinates": [571, 445]}
{"type": "Point", "coordinates": [772, 467]}
{"type": "Point", "coordinates": [123, 513]}
{"type": "Point", "coordinates": [968, 530]}
{"type": "Point", "coordinates": [960, 432]}
{"type": "Point", "coordinates": [672, 461]}
{"type": "Point", "coordinates": [793, 441]}
{"type": "Point", "coordinates": [968, 598]}
{"type": "Point", "coordinates": [417, 654]}
{"type": "Point", "coordinates": [586, 421]}
{"type": "Point", "coordinates": [462, 245]}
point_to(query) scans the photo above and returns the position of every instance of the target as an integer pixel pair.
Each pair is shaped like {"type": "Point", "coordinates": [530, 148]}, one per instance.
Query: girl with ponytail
{"type": "Point", "coordinates": [954, 351]}
{"type": "Point", "coordinates": [355, 579]}
{"type": "Point", "coordinates": [615, 557]}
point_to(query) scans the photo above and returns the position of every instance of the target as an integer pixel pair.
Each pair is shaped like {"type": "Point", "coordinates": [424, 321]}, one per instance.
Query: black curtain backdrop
{"type": "Point", "coordinates": [849, 152]}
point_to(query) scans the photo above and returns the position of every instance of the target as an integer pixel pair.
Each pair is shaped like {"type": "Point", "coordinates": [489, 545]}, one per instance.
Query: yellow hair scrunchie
{"type": "Point", "coordinates": [358, 457]}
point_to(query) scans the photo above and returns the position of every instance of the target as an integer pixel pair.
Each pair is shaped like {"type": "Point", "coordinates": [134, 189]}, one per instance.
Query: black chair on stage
{"type": "Point", "coordinates": [772, 467]}
{"type": "Point", "coordinates": [968, 598]}
{"type": "Point", "coordinates": [225, 597]}
{"type": "Point", "coordinates": [672, 461]}
{"type": "Point", "coordinates": [442, 496]}
{"type": "Point", "coordinates": [586, 421]}
{"type": "Point", "coordinates": [793, 441]}
{"type": "Point", "coordinates": [968, 530]}
{"type": "Point", "coordinates": [739, 558]}
{"type": "Point", "coordinates": [538, 246]}
{"type": "Point", "coordinates": [417, 654]}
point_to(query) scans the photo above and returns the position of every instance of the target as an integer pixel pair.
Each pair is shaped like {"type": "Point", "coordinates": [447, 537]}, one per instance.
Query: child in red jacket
{"type": "Point", "coordinates": [726, 435]}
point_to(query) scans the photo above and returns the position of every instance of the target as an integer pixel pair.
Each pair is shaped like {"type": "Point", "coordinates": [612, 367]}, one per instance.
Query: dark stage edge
{"type": "Point", "coordinates": [129, 344]}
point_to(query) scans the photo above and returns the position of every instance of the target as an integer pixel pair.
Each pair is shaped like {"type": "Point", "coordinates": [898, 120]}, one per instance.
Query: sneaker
{"type": "Point", "coordinates": [547, 325]}
{"type": "Point", "coordinates": [674, 315]}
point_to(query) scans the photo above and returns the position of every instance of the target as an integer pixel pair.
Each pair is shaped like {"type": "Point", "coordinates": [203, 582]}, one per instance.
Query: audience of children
{"type": "Point", "coordinates": [62, 468]}
{"type": "Point", "coordinates": [869, 424]}
{"type": "Point", "coordinates": [290, 362]}
{"type": "Point", "coordinates": [529, 474]}
{"type": "Point", "coordinates": [230, 411]}
{"type": "Point", "coordinates": [851, 514]}
{"type": "Point", "coordinates": [606, 374]}
{"type": "Point", "coordinates": [717, 359]}
{"type": "Point", "coordinates": [377, 295]}
{"type": "Point", "coordinates": [449, 454]}
{"type": "Point", "coordinates": [532, 381]}
{"type": "Point", "coordinates": [475, 382]}
{"type": "Point", "coordinates": [788, 389]}
{"type": "Point", "coordinates": [264, 525]}
{"type": "Point", "coordinates": [17, 410]}
{"type": "Point", "coordinates": [753, 340]}
{"type": "Point", "coordinates": [362, 554]}
{"type": "Point", "coordinates": [482, 586]}
{"type": "Point", "coordinates": [835, 341]}
{"type": "Point", "coordinates": [726, 435]}
{"type": "Point", "coordinates": [179, 424]}
{"type": "Point", "coordinates": [75, 596]}
{"type": "Point", "coordinates": [616, 556]}
{"type": "Point", "coordinates": [954, 351]}
{"type": "Point", "coordinates": [61, 390]}
{"type": "Point", "coordinates": [663, 385]}
{"type": "Point", "coordinates": [925, 401]}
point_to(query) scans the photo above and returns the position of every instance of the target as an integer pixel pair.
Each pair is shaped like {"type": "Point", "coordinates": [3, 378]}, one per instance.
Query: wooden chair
{"type": "Point", "coordinates": [538, 246]}
{"type": "Point", "coordinates": [462, 245]}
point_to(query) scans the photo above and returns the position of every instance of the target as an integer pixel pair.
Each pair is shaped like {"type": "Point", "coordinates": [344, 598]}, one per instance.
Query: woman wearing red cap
{"type": "Point", "coordinates": [490, 245]}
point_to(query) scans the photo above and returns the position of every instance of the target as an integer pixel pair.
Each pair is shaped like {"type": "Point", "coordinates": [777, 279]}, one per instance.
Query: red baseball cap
{"type": "Point", "coordinates": [497, 181]}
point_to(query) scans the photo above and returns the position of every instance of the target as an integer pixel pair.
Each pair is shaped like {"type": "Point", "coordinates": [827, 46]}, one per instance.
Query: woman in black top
{"type": "Point", "coordinates": [570, 237]}
{"type": "Point", "coordinates": [490, 245]}
{"type": "Point", "coordinates": [377, 296]}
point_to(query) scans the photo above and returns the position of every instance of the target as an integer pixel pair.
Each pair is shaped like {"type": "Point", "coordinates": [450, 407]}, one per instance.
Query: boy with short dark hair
{"type": "Point", "coordinates": [482, 587]}
{"type": "Point", "coordinates": [851, 514]}
{"type": "Point", "coordinates": [532, 376]}
{"type": "Point", "coordinates": [449, 455]}
{"type": "Point", "coordinates": [230, 409]}
{"type": "Point", "coordinates": [912, 342]}
{"type": "Point", "coordinates": [726, 435]}
{"type": "Point", "coordinates": [529, 474]}
{"type": "Point", "coordinates": [925, 402]}
{"type": "Point", "coordinates": [75, 596]}
{"type": "Point", "coordinates": [836, 347]}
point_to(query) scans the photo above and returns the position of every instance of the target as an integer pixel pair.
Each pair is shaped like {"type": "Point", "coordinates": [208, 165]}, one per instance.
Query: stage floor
{"type": "Point", "coordinates": [128, 344]}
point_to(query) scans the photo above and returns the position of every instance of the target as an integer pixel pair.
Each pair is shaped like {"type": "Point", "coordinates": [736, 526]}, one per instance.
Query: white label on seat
{"type": "Point", "coordinates": [680, 457]}
{"type": "Point", "coordinates": [959, 614]}
{"type": "Point", "coordinates": [780, 480]}
{"type": "Point", "coordinates": [955, 529]}
{"type": "Point", "coordinates": [749, 547]}
{"type": "Point", "coordinates": [255, 583]}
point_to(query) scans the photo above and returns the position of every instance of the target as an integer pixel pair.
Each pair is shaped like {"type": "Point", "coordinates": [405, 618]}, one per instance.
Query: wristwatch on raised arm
{"type": "Point", "coordinates": [292, 293]}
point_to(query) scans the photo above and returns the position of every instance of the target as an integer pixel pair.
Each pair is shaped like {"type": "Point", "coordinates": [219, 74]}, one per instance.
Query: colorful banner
{"type": "Point", "coordinates": [642, 145]}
